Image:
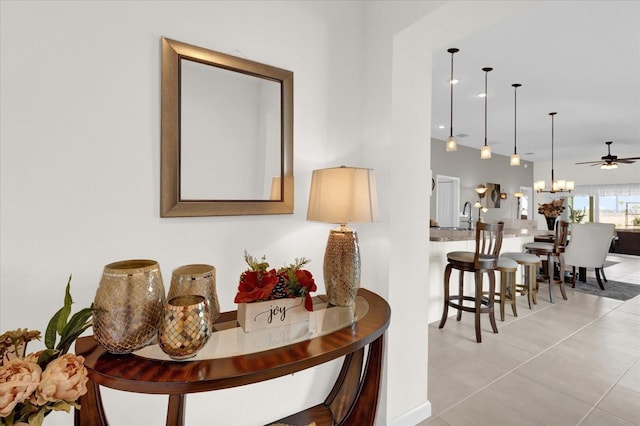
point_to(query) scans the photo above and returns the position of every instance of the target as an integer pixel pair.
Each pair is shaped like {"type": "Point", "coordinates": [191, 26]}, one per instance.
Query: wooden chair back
{"type": "Point", "coordinates": [562, 233]}
{"type": "Point", "coordinates": [488, 245]}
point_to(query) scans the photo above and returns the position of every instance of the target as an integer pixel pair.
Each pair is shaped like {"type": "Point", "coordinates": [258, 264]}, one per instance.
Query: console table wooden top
{"type": "Point", "coordinates": [151, 376]}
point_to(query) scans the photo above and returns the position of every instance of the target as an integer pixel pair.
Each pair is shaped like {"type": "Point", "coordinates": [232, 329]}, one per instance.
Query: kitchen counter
{"type": "Point", "coordinates": [443, 241]}
{"type": "Point", "coordinates": [627, 241]}
{"type": "Point", "coordinates": [458, 234]}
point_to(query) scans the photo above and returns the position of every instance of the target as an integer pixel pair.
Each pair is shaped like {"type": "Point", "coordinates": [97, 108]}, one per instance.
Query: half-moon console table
{"type": "Point", "coordinates": [352, 401]}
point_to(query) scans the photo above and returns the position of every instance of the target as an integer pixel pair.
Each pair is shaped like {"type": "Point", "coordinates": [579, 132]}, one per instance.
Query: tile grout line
{"type": "Point", "coordinates": [595, 405]}
{"type": "Point", "coordinates": [532, 358]}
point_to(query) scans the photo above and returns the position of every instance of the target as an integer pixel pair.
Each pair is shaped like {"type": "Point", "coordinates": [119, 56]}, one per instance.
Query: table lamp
{"type": "Point", "coordinates": [342, 195]}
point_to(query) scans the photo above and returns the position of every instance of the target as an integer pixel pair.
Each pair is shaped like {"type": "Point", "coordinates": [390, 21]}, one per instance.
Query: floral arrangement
{"type": "Point", "coordinates": [259, 283]}
{"type": "Point", "coordinates": [552, 209]}
{"type": "Point", "coordinates": [32, 386]}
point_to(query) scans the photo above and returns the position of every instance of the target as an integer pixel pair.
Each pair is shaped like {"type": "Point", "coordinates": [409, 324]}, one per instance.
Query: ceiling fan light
{"type": "Point", "coordinates": [451, 144]}
{"type": "Point", "coordinates": [515, 160]}
{"type": "Point", "coordinates": [485, 152]}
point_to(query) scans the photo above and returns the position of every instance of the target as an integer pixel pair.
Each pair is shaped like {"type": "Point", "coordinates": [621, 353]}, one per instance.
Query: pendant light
{"type": "Point", "coordinates": [485, 151]}
{"type": "Point", "coordinates": [560, 185]}
{"type": "Point", "coordinates": [515, 157]}
{"type": "Point", "coordinates": [451, 144]}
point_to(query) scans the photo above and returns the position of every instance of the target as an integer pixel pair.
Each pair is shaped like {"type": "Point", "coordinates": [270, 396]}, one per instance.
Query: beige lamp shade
{"type": "Point", "coordinates": [343, 195]}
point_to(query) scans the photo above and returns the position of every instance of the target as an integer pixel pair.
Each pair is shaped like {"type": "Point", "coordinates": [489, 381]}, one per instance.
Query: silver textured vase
{"type": "Point", "coordinates": [198, 279]}
{"type": "Point", "coordinates": [128, 305]}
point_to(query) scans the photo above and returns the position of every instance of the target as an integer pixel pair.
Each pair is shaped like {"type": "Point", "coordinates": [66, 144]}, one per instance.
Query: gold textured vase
{"type": "Point", "coordinates": [128, 305]}
{"type": "Point", "coordinates": [185, 326]}
{"type": "Point", "coordinates": [198, 280]}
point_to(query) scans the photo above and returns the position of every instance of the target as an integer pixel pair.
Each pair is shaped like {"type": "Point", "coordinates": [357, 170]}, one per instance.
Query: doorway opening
{"type": "Point", "coordinates": [447, 201]}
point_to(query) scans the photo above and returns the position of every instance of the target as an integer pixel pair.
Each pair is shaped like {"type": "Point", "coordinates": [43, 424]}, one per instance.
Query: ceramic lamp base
{"type": "Point", "coordinates": [342, 266]}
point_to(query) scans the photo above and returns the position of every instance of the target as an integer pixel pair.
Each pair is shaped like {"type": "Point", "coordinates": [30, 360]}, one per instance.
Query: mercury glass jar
{"type": "Point", "coordinates": [128, 305]}
{"type": "Point", "coordinates": [184, 329]}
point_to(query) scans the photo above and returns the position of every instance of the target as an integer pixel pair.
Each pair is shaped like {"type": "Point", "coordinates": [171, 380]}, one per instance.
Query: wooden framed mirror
{"type": "Point", "coordinates": [227, 134]}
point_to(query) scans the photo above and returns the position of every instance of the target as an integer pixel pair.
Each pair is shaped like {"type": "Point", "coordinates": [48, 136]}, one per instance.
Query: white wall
{"type": "Point", "coordinates": [465, 163]}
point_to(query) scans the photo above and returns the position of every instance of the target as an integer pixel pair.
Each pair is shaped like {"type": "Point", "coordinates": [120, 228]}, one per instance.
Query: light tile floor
{"type": "Point", "coordinates": [574, 362]}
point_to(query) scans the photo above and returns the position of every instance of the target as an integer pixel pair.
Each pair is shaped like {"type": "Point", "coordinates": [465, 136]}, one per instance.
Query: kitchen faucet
{"type": "Point", "coordinates": [464, 209]}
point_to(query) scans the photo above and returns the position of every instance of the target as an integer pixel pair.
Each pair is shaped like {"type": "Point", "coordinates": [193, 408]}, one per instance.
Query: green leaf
{"type": "Point", "coordinates": [78, 320]}
{"type": "Point", "coordinates": [38, 418]}
{"type": "Point", "coordinates": [66, 309]}
{"type": "Point", "coordinates": [50, 334]}
{"type": "Point", "coordinates": [62, 406]}
{"type": "Point", "coordinates": [78, 323]}
{"type": "Point", "coordinates": [67, 340]}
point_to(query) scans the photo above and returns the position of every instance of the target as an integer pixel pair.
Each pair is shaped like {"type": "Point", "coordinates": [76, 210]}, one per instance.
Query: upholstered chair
{"type": "Point", "coordinates": [588, 248]}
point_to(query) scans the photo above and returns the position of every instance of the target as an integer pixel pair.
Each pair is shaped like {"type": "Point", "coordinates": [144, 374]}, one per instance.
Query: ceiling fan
{"type": "Point", "coordinates": [610, 161]}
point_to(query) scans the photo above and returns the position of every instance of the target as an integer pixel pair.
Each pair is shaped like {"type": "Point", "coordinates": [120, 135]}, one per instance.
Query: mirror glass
{"type": "Point", "coordinates": [219, 105]}
{"type": "Point", "coordinates": [226, 134]}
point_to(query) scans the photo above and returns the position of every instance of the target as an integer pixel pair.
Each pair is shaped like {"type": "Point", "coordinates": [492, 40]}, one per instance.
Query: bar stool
{"type": "Point", "coordinates": [507, 295]}
{"type": "Point", "coordinates": [552, 251]}
{"type": "Point", "coordinates": [483, 260]}
{"type": "Point", "coordinates": [530, 263]}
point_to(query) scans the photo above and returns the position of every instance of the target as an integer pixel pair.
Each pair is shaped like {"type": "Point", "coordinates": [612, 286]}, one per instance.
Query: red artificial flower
{"type": "Point", "coordinates": [256, 285]}
{"type": "Point", "coordinates": [305, 279]}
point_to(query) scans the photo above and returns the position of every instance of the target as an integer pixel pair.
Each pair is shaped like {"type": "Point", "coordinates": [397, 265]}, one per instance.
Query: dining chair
{"type": "Point", "coordinates": [588, 248]}
{"type": "Point", "coordinates": [552, 252]}
{"type": "Point", "coordinates": [483, 261]}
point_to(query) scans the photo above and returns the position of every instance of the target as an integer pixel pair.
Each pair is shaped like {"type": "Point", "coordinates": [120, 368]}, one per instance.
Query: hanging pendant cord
{"type": "Point", "coordinates": [515, 118]}
{"type": "Point", "coordinates": [451, 96]}
{"type": "Point", "coordinates": [552, 114]}
{"type": "Point", "coordinates": [486, 95]}
{"type": "Point", "coordinates": [452, 51]}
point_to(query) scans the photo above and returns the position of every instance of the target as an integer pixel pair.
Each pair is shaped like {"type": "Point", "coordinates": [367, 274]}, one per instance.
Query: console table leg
{"type": "Point", "coordinates": [91, 412]}
{"type": "Point", "coordinates": [175, 411]}
{"type": "Point", "coordinates": [354, 401]}
{"type": "Point", "coordinates": [363, 411]}
{"type": "Point", "coordinates": [345, 391]}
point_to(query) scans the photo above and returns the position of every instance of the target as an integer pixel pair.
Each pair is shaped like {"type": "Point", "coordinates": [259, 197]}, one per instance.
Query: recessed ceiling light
{"type": "Point", "coordinates": [442, 126]}
{"type": "Point", "coordinates": [482, 95]}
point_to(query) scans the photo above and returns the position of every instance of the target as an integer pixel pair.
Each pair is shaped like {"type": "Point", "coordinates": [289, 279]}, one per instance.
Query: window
{"type": "Point", "coordinates": [609, 204]}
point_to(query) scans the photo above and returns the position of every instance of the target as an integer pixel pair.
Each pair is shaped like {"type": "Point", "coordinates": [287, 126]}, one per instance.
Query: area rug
{"type": "Point", "coordinates": [613, 289]}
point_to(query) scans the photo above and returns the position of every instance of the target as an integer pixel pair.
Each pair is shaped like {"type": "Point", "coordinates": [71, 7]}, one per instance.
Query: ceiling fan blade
{"type": "Point", "coordinates": [626, 161]}
{"type": "Point", "coordinates": [591, 162]}
{"type": "Point", "coordinates": [629, 158]}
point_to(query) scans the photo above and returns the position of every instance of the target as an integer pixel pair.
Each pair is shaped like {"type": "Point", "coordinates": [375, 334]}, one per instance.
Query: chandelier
{"type": "Point", "coordinates": [559, 185]}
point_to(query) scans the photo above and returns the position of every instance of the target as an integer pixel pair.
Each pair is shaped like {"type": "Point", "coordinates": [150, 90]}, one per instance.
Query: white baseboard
{"type": "Point", "coordinates": [412, 417]}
